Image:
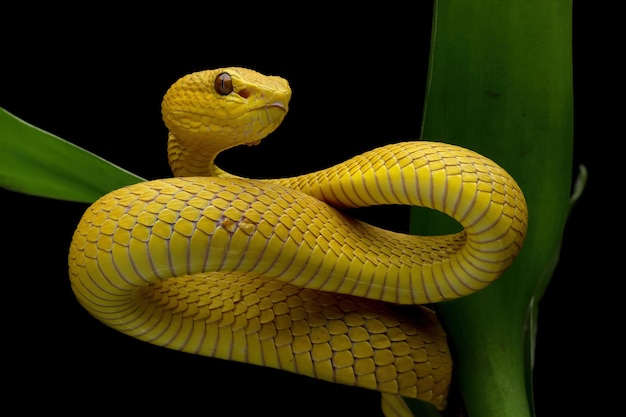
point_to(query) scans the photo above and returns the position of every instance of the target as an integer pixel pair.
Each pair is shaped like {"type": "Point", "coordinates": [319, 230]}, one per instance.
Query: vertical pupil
{"type": "Point", "coordinates": [223, 84]}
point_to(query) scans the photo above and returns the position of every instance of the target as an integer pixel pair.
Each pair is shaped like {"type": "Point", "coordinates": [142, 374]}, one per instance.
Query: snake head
{"type": "Point", "coordinates": [225, 107]}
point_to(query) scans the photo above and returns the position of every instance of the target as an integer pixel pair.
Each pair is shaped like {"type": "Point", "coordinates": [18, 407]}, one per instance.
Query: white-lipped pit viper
{"type": "Point", "coordinates": [271, 272]}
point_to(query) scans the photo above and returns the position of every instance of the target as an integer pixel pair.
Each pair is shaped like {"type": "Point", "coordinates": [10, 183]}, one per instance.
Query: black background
{"type": "Point", "coordinates": [96, 78]}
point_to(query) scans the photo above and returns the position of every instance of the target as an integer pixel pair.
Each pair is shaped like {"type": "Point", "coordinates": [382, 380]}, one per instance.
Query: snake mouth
{"type": "Point", "coordinates": [276, 104]}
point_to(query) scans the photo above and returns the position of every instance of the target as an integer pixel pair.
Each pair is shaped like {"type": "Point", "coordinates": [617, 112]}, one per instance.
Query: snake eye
{"type": "Point", "coordinates": [223, 84]}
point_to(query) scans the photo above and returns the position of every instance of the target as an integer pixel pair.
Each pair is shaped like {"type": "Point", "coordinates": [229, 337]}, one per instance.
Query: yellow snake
{"type": "Point", "coordinates": [271, 272]}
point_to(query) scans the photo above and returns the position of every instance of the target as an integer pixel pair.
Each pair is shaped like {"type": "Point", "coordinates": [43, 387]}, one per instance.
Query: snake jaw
{"type": "Point", "coordinates": [278, 104]}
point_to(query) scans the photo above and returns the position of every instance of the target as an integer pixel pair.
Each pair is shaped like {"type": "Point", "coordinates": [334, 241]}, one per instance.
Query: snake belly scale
{"type": "Point", "coordinates": [272, 272]}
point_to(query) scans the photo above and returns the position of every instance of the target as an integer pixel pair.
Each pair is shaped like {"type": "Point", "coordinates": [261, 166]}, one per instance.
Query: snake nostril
{"type": "Point", "coordinates": [244, 92]}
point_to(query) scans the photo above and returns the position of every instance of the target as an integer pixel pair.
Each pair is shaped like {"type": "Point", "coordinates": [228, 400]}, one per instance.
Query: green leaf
{"type": "Point", "coordinates": [500, 82]}
{"type": "Point", "coordinates": [542, 284]}
{"type": "Point", "coordinates": [39, 163]}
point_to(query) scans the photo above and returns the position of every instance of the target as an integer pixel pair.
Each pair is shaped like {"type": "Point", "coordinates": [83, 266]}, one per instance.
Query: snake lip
{"type": "Point", "coordinates": [277, 104]}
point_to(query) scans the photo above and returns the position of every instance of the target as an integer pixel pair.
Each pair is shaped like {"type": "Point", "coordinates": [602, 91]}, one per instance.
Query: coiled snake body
{"type": "Point", "coordinates": [271, 272]}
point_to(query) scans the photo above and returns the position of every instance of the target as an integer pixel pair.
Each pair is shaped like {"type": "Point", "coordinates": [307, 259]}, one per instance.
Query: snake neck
{"type": "Point", "coordinates": [195, 158]}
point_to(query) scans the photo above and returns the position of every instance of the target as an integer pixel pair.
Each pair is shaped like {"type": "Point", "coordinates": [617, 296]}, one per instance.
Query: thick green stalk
{"type": "Point", "coordinates": [500, 83]}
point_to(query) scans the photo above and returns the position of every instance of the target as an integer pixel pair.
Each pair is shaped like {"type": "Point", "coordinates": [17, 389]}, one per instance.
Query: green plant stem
{"type": "Point", "coordinates": [500, 83]}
